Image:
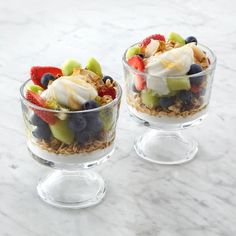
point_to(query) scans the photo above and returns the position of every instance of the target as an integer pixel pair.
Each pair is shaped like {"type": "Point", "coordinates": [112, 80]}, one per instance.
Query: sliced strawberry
{"type": "Point", "coordinates": [107, 91]}
{"type": "Point", "coordinates": [195, 89]}
{"type": "Point", "coordinates": [139, 82]}
{"type": "Point", "coordinates": [37, 100]}
{"type": "Point", "coordinates": [37, 72]}
{"type": "Point", "coordinates": [137, 63]}
{"type": "Point", "coordinates": [147, 40]}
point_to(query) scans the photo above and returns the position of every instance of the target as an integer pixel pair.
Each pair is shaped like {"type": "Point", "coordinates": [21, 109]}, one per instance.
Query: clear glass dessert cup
{"type": "Point", "coordinates": [167, 115]}
{"type": "Point", "coordinates": [72, 183]}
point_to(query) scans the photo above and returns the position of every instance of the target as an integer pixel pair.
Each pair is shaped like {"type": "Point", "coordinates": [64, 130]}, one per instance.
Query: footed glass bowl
{"type": "Point", "coordinates": [184, 106]}
{"type": "Point", "coordinates": [73, 143]}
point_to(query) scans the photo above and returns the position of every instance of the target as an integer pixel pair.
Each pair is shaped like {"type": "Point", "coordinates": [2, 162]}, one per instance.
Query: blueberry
{"type": "Point", "coordinates": [134, 89]}
{"type": "Point", "coordinates": [37, 121]}
{"type": "Point", "coordinates": [185, 96]}
{"type": "Point", "coordinates": [94, 125]}
{"type": "Point", "coordinates": [194, 69]}
{"type": "Point", "coordinates": [46, 78]}
{"type": "Point", "coordinates": [89, 105]}
{"type": "Point", "coordinates": [166, 101]}
{"type": "Point", "coordinates": [77, 122]}
{"type": "Point", "coordinates": [141, 55]}
{"type": "Point", "coordinates": [42, 132]}
{"type": "Point", "coordinates": [191, 39]}
{"type": "Point", "coordinates": [106, 77]}
{"type": "Point", "coordinates": [82, 137]}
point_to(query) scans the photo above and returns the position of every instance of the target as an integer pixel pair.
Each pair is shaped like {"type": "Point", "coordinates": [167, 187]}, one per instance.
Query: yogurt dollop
{"type": "Point", "coordinates": [70, 91]}
{"type": "Point", "coordinates": [175, 62]}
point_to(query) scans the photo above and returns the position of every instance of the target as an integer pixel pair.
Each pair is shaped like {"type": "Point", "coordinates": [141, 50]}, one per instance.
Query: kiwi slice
{"type": "Point", "coordinates": [176, 38]}
{"type": "Point", "coordinates": [132, 51]}
{"type": "Point", "coordinates": [176, 84]}
{"type": "Point", "coordinates": [149, 98]}
{"type": "Point", "coordinates": [62, 132]}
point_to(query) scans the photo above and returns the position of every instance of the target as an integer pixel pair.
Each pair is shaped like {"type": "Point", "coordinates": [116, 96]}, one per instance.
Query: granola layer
{"type": "Point", "coordinates": [57, 147]}
{"type": "Point", "coordinates": [176, 110]}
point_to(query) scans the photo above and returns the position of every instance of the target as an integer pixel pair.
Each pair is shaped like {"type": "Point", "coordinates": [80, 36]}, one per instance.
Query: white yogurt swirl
{"type": "Point", "coordinates": [175, 62]}
{"type": "Point", "coordinates": [70, 91]}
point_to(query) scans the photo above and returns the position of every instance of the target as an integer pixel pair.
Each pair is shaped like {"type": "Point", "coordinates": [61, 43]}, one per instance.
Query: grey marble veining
{"type": "Point", "coordinates": [195, 199]}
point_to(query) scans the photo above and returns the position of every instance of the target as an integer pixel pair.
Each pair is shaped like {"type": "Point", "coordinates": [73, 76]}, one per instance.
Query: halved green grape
{"type": "Point", "coordinates": [132, 51]}
{"type": "Point", "coordinates": [94, 66]}
{"type": "Point", "coordinates": [149, 98]}
{"type": "Point", "coordinates": [176, 84]}
{"type": "Point", "coordinates": [69, 66]}
{"type": "Point", "coordinates": [62, 132]}
{"type": "Point", "coordinates": [106, 117]}
{"type": "Point", "coordinates": [176, 38]}
{"type": "Point", "coordinates": [35, 88]}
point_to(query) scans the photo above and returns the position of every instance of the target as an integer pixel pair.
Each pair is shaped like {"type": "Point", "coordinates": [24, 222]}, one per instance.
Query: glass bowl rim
{"type": "Point", "coordinates": [204, 72]}
{"type": "Point", "coordinates": [109, 105]}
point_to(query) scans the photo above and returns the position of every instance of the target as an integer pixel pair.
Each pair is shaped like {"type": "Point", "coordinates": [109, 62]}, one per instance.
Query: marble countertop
{"type": "Point", "coordinates": [143, 199]}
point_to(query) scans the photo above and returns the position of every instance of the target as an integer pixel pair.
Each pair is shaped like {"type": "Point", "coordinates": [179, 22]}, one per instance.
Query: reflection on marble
{"type": "Point", "coordinates": [195, 199]}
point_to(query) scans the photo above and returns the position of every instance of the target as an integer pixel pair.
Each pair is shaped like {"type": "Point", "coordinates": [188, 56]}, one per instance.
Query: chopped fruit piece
{"type": "Point", "coordinates": [135, 50]}
{"type": "Point", "coordinates": [194, 69]}
{"type": "Point", "coordinates": [35, 88]}
{"type": "Point", "coordinates": [195, 89]}
{"type": "Point", "coordinates": [89, 105]}
{"type": "Point", "coordinates": [107, 91]}
{"type": "Point", "coordinates": [42, 132]}
{"type": "Point", "coordinates": [69, 66]}
{"type": "Point", "coordinates": [149, 98]}
{"type": "Point", "coordinates": [141, 55]}
{"type": "Point", "coordinates": [77, 122]}
{"type": "Point", "coordinates": [147, 40]}
{"type": "Point", "coordinates": [134, 89]}
{"type": "Point", "coordinates": [38, 71]}
{"type": "Point", "coordinates": [175, 84]}
{"type": "Point", "coordinates": [185, 97]}
{"type": "Point", "coordinates": [191, 39]}
{"type": "Point", "coordinates": [140, 82]}
{"type": "Point", "coordinates": [35, 98]}
{"type": "Point", "coordinates": [176, 38]}
{"type": "Point", "coordinates": [94, 66]}
{"type": "Point", "coordinates": [61, 131]}
{"type": "Point", "coordinates": [167, 101]}
{"type": "Point", "coordinates": [106, 117]}
{"type": "Point", "coordinates": [36, 120]}
{"type": "Point", "coordinates": [106, 77]}
{"type": "Point", "coordinates": [82, 137]}
{"type": "Point", "coordinates": [151, 48]}
{"type": "Point", "coordinates": [137, 63]}
{"type": "Point", "coordinates": [46, 78]}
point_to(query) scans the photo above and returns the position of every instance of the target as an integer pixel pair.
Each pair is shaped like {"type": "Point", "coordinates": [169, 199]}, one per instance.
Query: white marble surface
{"type": "Point", "coordinates": [143, 199]}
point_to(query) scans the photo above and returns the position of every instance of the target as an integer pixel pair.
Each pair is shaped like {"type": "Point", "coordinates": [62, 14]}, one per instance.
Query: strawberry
{"type": "Point", "coordinates": [147, 40]}
{"type": "Point", "coordinates": [37, 100]}
{"type": "Point", "coordinates": [37, 72]}
{"type": "Point", "coordinates": [107, 91]}
{"type": "Point", "coordinates": [195, 89]}
{"type": "Point", "coordinates": [137, 63]}
{"type": "Point", "coordinates": [139, 82]}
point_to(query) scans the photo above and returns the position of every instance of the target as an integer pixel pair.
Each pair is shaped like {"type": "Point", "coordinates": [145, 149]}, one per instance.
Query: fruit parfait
{"type": "Point", "coordinates": [168, 86]}
{"type": "Point", "coordinates": [168, 81]}
{"type": "Point", "coordinates": [70, 115]}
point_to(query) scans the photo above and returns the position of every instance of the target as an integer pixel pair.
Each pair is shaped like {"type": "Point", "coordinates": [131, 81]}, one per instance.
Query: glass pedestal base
{"type": "Point", "coordinates": [165, 147]}
{"type": "Point", "coordinates": [72, 189]}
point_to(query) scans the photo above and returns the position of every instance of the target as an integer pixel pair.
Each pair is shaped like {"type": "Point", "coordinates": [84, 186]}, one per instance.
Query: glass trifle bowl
{"type": "Point", "coordinates": [168, 86]}
{"type": "Point", "coordinates": [71, 142]}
